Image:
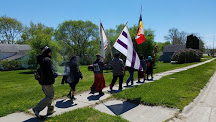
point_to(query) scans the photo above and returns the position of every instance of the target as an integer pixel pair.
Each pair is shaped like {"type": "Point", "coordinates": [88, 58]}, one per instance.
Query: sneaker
{"type": "Point", "coordinates": [36, 113]}
{"type": "Point", "coordinates": [110, 87]}
{"type": "Point", "coordinates": [101, 93]}
{"type": "Point", "coordinates": [138, 81]}
{"type": "Point", "coordinates": [73, 98]}
{"type": "Point", "coordinates": [50, 113]}
{"type": "Point", "coordinates": [69, 96]}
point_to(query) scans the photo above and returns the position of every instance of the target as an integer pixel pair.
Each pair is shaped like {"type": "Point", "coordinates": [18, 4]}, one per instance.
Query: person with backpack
{"type": "Point", "coordinates": [47, 79]}
{"type": "Point", "coordinates": [99, 82]}
{"type": "Point", "coordinates": [72, 76]}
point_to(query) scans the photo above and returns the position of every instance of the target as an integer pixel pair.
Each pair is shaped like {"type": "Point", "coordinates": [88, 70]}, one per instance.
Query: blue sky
{"type": "Point", "coordinates": [191, 16]}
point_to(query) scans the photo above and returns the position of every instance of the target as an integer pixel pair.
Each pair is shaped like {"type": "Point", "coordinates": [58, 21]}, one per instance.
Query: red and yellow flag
{"type": "Point", "coordinates": [140, 38]}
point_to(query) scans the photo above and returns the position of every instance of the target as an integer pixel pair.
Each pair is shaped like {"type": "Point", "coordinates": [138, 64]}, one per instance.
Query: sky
{"type": "Point", "coordinates": [191, 16]}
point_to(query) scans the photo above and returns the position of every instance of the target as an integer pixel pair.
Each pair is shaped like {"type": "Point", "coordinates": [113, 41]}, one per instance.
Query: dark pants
{"type": "Point", "coordinates": [130, 78]}
{"type": "Point", "coordinates": [120, 80]}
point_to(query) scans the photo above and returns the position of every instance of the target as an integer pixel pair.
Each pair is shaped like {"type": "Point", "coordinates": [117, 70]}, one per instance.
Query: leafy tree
{"type": "Point", "coordinates": [77, 35]}
{"type": "Point", "coordinates": [147, 47]}
{"type": "Point", "coordinates": [38, 36]}
{"type": "Point", "coordinates": [161, 45]}
{"type": "Point", "coordinates": [176, 37]}
{"type": "Point", "coordinates": [10, 28]}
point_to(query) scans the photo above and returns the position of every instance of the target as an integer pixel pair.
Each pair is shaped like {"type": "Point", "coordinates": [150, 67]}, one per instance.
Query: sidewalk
{"type": "Point", "coordinates": [203, 108]}
{"type": "Point", "coordinates": [129, 111]}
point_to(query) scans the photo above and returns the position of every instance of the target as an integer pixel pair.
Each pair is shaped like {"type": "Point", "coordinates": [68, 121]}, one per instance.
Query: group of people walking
{"type": "Point", "coordinates": [72, 75]}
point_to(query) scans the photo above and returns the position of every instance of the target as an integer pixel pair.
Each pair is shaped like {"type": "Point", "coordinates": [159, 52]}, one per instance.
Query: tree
{"type": "Point", "coordinates": [161, 45]}
{"type": "Point", "coordinates": [38, 36]}
{"type": "Point", "coordinates": [77, 35]}
{"type": "Point", "coordinates": [176, 37]}
{"type": "Point", "coordinates": [147, 47]}
{"type": "Point", "coordinates": [10, 28]}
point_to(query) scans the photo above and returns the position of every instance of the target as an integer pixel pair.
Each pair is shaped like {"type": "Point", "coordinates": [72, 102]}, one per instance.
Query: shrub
{"type": "Point", "coordinates": [187, 56]}
{"type": "Point", "coordinates": [11, 65]}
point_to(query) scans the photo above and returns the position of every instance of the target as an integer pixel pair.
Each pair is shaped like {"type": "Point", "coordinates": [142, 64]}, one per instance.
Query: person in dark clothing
{"type": "Point", "coordinates": [131, 78]}
{"type": "Point", "coordinates": [72, 76]}
{"type": "Point", "coordinates": [118, 71]}
{"type": "Point", "coordinates": [99, 82]}
{"type": "Point", "coordinates": [141, 74]}
{"type": "Point", "coordinates": [150, 66]}
{"type": "Point", "coordinates": [48, 79]}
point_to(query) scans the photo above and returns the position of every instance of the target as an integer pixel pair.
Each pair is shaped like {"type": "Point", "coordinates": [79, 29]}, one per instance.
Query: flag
{"type": "Point", "coordinates": [140, 38]}
{"type": "Point", "coordinates": [124, 45]}
{"type": "Point", "coordinates": [103, 41]}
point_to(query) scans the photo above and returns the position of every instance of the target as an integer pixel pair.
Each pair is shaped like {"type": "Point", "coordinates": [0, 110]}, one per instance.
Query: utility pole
{"type": "Point", "coordinates": [213, 46]}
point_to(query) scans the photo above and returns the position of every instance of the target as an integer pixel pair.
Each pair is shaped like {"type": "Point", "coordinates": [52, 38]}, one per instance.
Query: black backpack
{"type": "Point", "coordinates": [37, 73]}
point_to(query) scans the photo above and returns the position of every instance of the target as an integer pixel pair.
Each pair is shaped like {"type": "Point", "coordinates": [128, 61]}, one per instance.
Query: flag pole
{"type": "Point", "coordinates": [108, 41]}
{"type": "Point", "coordinates": [120, 33]}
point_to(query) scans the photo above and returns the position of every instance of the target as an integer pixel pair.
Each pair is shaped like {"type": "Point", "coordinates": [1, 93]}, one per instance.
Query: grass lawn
{"type": "Point", "coordinates": [20, 91]}
{"type": "Point", "coordinates": [176, 90]}
{"type": "Point", "coordinates": [87, 114]}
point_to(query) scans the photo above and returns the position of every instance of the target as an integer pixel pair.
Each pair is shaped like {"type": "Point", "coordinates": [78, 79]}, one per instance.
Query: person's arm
{"type": "Point", "coordinates": [50, 69]}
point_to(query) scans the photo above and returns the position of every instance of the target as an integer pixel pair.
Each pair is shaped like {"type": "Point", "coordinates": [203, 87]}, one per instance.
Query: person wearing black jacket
{"type": "Point", "coordinates": [48, 79]}
{"type": "Point", "coordinates": [72, 75]}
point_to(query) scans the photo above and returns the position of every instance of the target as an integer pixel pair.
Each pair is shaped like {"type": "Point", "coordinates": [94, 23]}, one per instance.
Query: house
{"type": "Point", "coordinates": [169, 50]}
{"type": "Point", "coordinates": [13, 52]}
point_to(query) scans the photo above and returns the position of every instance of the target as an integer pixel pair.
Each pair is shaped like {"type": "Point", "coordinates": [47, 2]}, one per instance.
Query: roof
{"type": "Point", "coordinates": [174, 48]}
{"type": "Point", "coordinates": [18, 50]}
{"type": "Point", "coordinates": [9, 48]}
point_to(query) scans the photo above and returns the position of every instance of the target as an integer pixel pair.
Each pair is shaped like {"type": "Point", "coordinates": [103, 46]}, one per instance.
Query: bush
{"type": "Point", "coordinates": [11, 65]}
{"type": "Point", "coordinates": [187, 56]}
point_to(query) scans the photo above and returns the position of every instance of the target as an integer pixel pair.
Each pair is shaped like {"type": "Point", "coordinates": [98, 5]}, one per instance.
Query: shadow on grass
{"type": "Point", "coordinates": [65, 104]}
{"type": "Point", "coordinates": [27, 72]}
{"type": "Point", "coordinates": [94, 97]}
{"type": "Point", "coordinates": [119, 109]}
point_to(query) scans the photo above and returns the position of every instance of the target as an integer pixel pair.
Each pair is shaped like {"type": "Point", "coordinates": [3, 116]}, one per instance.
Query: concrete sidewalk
{"type": "Point", "coordinates": [132, 112]}
{"type": "Point", "coordinates": [203, 108]}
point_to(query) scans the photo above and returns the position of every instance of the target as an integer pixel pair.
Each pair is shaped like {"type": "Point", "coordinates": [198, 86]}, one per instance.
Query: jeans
{"type": "Point", "coordinates": [131, 77]}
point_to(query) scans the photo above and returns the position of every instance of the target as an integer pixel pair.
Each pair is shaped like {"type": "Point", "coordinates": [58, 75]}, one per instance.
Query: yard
{"type": "Point", "coordinates": [20, 91]}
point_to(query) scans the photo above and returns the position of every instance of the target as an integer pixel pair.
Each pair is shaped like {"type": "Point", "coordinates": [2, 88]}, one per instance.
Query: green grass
{"type": "Point", "coordinates": [86, 114]}
{"type": "Point", "coordinates": [176, 90]}
{"type": "Point", "coordinates": [20, 91]}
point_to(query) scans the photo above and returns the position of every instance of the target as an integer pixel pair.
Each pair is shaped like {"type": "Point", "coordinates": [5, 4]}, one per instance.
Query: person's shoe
{"type": "Point", "coordinates": [120, 89]}
{"type": "Point", "coordinates": [69, 96]}
{"type": "Point", "coordinates": [36, 113]}
{"type": "Point", "coordinates": [50, 113]}
{"type": "Point", "coordinates": [73, 98]}
{"type": "Point", "coordinates": [138, 81]}
{"type": "Point", "coordinates": [101, 93]}
{"type": "Point", "coordinates": [92, 90]}
{"type": "Point", "coordinates": [110, 87]}
{"type": "Point", "coordinates": [126, 83]}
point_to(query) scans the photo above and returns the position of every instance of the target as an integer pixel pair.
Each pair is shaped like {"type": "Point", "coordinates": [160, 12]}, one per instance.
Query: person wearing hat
{"type": "Point", "coordinates": [99, 82]}
{"type": "Point", "coordinates": [48, 79]}
{"type": "Point", "coordinates": [150, 66]}
{"type": "Point", "coordinates": [118, 71]}
{"type": "Point", "coordinates": [72, 76]}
